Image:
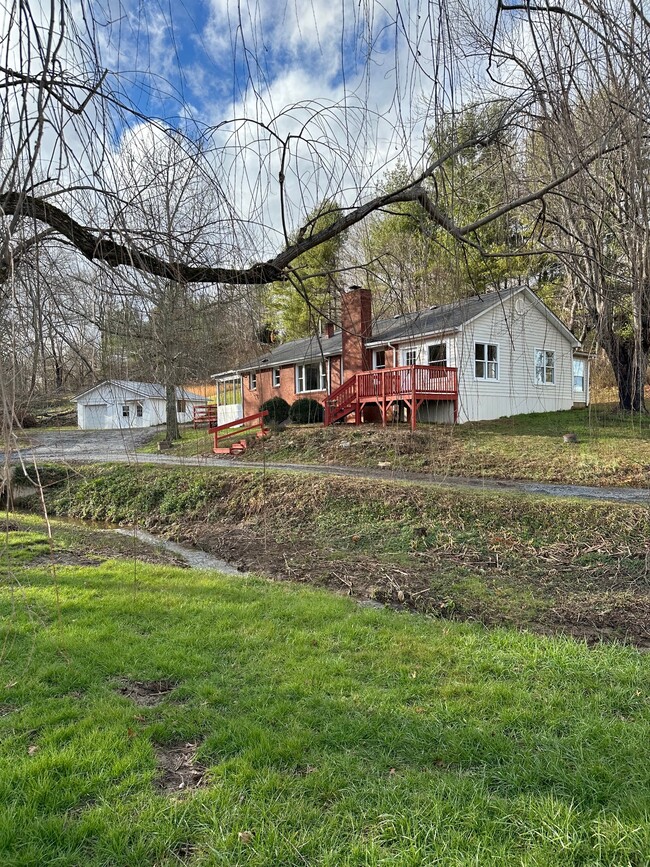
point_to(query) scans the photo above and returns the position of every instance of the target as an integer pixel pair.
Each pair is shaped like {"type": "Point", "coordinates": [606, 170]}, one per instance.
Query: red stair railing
{"type": "Point", "coordinates": [240, 426]}
{"type": "Point", "coordinates": [341, 401]}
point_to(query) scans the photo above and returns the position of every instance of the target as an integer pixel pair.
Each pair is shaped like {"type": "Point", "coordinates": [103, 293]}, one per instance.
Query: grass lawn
{"type": "Point", "coordinates": [613, 449]}
{"type": "Point", "coordinates": [320, 733]}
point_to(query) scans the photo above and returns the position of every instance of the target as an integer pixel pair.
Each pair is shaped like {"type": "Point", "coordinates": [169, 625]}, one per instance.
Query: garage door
{"type": "Point", "coordinates": [95, 416]}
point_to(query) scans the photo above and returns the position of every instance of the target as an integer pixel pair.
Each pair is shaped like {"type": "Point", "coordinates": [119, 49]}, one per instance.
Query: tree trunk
{"type": "Point", "coordinates": [630, 372]}
{"type": "Point", "coordinates": [171, 417]}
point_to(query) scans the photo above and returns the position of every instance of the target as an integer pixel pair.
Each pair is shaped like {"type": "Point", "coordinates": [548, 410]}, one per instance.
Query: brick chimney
{"type": "Point", "coordinates": [329, 329]}
{"type": "Point", "coordinates": [356, 326]}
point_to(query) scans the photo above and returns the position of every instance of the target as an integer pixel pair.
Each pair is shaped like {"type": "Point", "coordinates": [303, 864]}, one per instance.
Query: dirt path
{"type": "Point", "coordinates": [120, 447]}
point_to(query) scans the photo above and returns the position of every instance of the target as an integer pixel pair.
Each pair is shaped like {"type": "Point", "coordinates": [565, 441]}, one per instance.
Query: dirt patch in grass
{"type": "Point", "coordinates": [146, 693]}
{"type": "Point", "coordinates": [65, 558]}
{"type": "Point", "coordinates": [599, 616]}
{"type": "Point", "coordinates": [178, 769]}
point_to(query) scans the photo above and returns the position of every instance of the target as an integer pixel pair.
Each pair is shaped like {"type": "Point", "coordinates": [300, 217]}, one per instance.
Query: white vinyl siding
{"type": "Point", "coordinates": [518, 335]}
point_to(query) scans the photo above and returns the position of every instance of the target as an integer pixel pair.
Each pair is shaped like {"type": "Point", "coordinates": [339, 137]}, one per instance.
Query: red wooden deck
{"type": "Point", "coordinates": [409, 386]}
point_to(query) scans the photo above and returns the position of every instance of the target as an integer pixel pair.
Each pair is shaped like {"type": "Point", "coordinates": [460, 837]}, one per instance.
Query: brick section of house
{"type": "Point", "coordinates": [265, 389]}
{"type": "Point", "coordinates": [356, 325]}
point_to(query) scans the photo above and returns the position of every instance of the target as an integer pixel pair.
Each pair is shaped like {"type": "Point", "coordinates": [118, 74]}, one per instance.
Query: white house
{"type": "Point", "coordinates": [500, 353]}
{"type": "Point", "coordinates": [117, 403]}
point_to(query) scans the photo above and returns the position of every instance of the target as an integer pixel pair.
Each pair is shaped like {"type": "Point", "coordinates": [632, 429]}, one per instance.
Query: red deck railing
{"type": "Point", "coordinates": [412, 384]}
{"type": "Point", "coordinates": [403, 381]}
{"type": "Point", "coordinates": [205, 413]}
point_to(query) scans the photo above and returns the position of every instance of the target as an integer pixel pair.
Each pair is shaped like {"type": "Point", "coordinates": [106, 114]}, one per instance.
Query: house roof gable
{"type": "Point", "coordinates": [454, 316]}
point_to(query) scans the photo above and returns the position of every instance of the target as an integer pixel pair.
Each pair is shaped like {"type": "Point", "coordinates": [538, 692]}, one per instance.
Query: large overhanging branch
{"type": "Point", "coordinates": [98, 245]}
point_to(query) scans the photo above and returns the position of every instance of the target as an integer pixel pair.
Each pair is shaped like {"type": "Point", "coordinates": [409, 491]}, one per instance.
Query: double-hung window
{"type": "Point", "coordinates": [252, 381]}
{"type": "Point", "coordinates": [410, 357]}
{"type": "Point", "coordinates": [138, 410]}
{"type": "Point", "coordinates": [437, 354]}
{"type": "Point", "coordinates": [181, 406]}
{"type": "Point", "coordinates": [311, 377]}
{"type": "Point", "coordinates": [276, 377]}
{"type": "Point", "coordinates": [486, 361]}
{"type": "Point", "coordinates": [578, 374]}
{"type": "Point", "coordinates": [126, 411]}
{"type": "Point", "coordinates": [544, 367]}
{"type": "Point", "coordinates": [380, 359]}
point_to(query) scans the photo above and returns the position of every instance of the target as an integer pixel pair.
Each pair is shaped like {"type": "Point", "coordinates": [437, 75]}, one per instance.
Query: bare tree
{"type": "Point", "coordinates": [588, 66]}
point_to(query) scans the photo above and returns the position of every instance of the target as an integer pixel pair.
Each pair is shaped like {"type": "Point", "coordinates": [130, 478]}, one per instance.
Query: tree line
{"type": "Point", "coordinates": [130, 243]}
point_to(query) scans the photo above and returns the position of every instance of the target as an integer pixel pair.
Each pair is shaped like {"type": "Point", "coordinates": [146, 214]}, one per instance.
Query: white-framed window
{"type": "Point", "coordinates": [437, 354]}
{"type": "Point", "coordinates": [410, 357]}
{"type": "Point", "coordinates": [252, 381]}
{"type": "Point", "coordinates": [486, 361]}
{"type": "Point", "coordinates": [181, 406]}
{"type": "Point", "coordinates": [276, 377]}
{"type": "Point", "coordinates": [578, 374]}
{"type": "Point", "coordinates": [311, 377]}
{"type": "Point", "coordinates": [544, 367]}
{"type": "Point", "coordinates": [379, 359]}
{"type": "Point", "coordinates": [138, 410]}
{"type": "Point", "coordinates": [126, 411]}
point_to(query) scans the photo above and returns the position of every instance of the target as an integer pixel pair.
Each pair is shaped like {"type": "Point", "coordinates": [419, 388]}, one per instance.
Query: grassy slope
{"type": "Point", "coordinates": [500, 558]}
{"type": "Point", "coordinates": [336, 736]}
{"type": "Point", "coordinates": [613, 449]}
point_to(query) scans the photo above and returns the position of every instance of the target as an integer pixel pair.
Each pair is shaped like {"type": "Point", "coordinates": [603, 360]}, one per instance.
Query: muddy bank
{"type": "Point", "coordinates": [501, 559]}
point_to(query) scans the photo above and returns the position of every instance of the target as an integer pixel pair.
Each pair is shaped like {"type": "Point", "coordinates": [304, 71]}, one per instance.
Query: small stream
{"type": "Point", "coordinates": [195, 558]}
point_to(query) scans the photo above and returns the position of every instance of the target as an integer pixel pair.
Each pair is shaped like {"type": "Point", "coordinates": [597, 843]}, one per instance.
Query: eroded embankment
{"type": "Point", "coordinates": [549, 565]}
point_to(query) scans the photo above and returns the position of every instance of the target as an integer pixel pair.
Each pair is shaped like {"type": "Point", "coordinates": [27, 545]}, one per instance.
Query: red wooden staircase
{"type": "Point", "coordinates": [406, 386]}
{"type": "Point", "coordinates": [227, 436]}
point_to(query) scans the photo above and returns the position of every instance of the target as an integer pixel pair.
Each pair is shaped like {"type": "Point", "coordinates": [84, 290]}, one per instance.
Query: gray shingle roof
{"type": "Point", "coordinates": [305, 349]}
{"type": "Point", "coordinates": [434, 320]}
{"type": "Point", "coordinates": [143, 389]}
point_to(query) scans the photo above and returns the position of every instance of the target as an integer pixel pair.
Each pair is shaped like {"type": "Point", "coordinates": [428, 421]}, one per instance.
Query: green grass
{"type": "Point", "coordinates": [193, 442]}
{"type": "Point", "coordinates": [533, 562]}
{"type": "Point", "coordinates": [613, 448]}
{"type": "Point", "coordinates": [334, 735]}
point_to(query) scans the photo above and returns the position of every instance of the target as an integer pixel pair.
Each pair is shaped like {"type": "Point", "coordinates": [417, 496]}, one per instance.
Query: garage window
{"type": "Point", "coordinates": [181, 406]}
{"type": "Point", "coordinates": [138, 410]}
{"type": "Point", "coordinates": [126, 411]}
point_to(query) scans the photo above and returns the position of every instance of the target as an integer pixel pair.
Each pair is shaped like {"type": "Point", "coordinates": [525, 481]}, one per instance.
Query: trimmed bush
{"type": "Point", "coordinates": [278, 410]}
{"type": "Point", "coordinates": [306, 410]}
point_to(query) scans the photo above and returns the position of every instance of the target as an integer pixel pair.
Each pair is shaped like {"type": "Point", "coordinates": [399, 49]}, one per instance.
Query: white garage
{"type": "Point", "coordinates": [118, 403]}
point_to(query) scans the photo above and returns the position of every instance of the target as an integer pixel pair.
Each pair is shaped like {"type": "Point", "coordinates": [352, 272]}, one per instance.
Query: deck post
{"type": "Point", "coordinates": [383, 398]}
{"type": "Point", "coordinates": [413, 403]}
